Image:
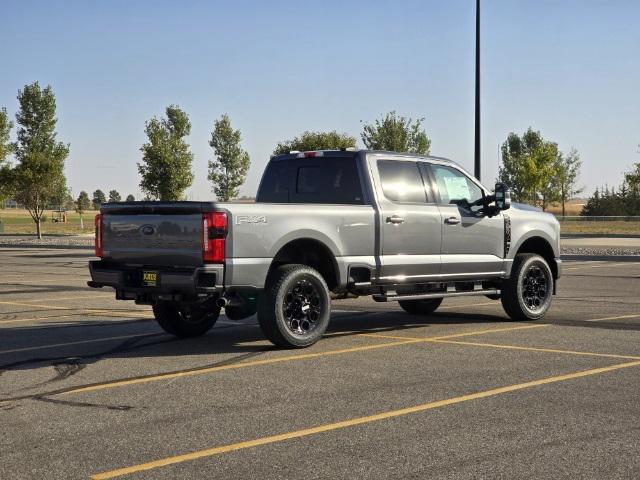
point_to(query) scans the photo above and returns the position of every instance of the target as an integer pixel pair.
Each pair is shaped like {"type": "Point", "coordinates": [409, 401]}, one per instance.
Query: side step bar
{"type": "Point", "coordinates": [426, 296]}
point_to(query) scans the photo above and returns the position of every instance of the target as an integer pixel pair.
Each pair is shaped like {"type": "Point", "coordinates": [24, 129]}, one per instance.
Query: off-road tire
{"type": "Point", "coordinates": [186, 321]}
{"type": "Point", "coordinates": [281, 308]}
{"type": "Point", "coordinates": [420, 307]}
{"type": "Point", "coordinates": [527, 293]}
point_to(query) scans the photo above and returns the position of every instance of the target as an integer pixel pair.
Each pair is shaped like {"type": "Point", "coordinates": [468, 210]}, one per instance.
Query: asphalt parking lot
{"type": "Point", "coordinates": [92, 388]}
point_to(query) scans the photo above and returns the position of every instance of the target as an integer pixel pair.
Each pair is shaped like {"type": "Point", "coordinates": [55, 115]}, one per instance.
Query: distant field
{"type": "Point", "coordinates": [602, 228]}
{"type": "Point", "coordinates": [19, 221]}
{"type": "Point", "coordinates": [573, 207]}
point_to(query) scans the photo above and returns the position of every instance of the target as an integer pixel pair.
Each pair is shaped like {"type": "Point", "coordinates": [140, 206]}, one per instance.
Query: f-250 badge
{"type": "Point", "coordinates": [253, 219]}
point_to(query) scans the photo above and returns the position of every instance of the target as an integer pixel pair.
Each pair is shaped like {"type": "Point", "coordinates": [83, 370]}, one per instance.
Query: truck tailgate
{"type": "Point", "coordinates": [154, 239]}
{"type": "Point", "coordinates": [167, 234]}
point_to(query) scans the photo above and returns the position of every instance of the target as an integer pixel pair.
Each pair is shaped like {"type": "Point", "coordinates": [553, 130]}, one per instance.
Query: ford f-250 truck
{"type": "Point", "coordinates": [399, 227]}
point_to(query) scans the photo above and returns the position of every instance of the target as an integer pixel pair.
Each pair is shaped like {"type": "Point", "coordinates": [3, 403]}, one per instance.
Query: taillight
{"type": "Point", "coordinates": [214, 234]}
{"type": "Point", "coordinates": [99, 235]}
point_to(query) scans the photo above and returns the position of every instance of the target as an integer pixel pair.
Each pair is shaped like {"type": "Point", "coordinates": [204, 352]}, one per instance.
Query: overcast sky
{"type": "Point", "coordinates": [568, 68]}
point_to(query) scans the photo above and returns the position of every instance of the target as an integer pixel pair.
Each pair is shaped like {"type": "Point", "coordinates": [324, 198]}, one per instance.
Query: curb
{"type": "Point", "coordinates": [609, 258]}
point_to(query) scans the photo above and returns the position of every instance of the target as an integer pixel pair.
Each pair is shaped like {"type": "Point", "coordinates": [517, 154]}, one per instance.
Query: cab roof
{"type": "Point", "coordinates": [354, 152]}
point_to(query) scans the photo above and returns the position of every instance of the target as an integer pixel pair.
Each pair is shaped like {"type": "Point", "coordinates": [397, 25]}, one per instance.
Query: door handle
{"type": "Point", "coordinates": [395, 219]}
{"type": "Point", "coordinates": [452, 220]}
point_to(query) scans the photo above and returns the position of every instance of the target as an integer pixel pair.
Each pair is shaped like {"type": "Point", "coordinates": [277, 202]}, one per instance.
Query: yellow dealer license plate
{"type": "Point", "coordinates": [149, 279]}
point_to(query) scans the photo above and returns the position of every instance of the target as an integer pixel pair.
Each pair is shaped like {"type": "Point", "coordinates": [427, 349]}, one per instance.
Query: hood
{"type": "Point", "coordinates": [525, 206]}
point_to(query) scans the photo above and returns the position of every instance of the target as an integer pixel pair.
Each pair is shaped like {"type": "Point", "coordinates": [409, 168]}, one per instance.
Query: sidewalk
{"type": "Point", "coordinates": [599, 242]}
{"type": "Point", "coordinates": [600, 246]}
{"type": "Point", "coordinates": [48, 241]}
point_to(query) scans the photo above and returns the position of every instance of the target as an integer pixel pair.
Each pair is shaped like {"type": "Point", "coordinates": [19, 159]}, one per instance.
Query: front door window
{"type": "Point", "coordinates": [455, 187]}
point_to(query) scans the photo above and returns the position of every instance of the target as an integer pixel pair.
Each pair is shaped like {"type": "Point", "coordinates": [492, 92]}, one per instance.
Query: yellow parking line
{"type": "Point", "coordinates": [269, 361]}
{"type": "Point", "coordinates": [92, 313]}
{"type": "Point", "coordinates": [79, 342]}
{"type": "Point", "coordinates": [619, 317]}
{"type": "Point", "coordinates": [233, 366]}
{"type": "Point", "coordinates": [535, 349]}
{"type": "Point", "coordinates": [79, 310]}
{"type": "Point", "coordinates": [354, 422]}
{"type": "Point", "coordinates": [77, 297]}
{"type": "Point", "coordinates": [22, 304]}
{"type": "Point", "coordinates": [35, 282]}
{"type": "Point", "coordinates": [24, 274]}
{"type": "Point", "coordinates": [463, 334]}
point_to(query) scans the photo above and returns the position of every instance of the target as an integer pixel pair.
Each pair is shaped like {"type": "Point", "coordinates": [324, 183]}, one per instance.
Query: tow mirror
{"type": "Point", "coordinates": [502, 196]}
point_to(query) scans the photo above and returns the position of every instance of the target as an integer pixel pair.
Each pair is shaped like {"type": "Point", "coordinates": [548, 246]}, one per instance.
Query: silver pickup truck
{"type": "Point", "coordinates": [398, 227]}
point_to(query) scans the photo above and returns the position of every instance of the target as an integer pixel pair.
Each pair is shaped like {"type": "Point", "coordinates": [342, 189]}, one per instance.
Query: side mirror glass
{"type": "Point", "coordinates": [502, 196]}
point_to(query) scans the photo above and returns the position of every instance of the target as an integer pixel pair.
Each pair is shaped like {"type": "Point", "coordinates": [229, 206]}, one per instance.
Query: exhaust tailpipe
{"type": "Point", "coordinates": [224, 302]}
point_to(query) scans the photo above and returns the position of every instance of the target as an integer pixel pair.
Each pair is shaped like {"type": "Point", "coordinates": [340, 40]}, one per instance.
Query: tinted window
{"type": "Point", "coordinates": [332, 180]}
{"type": "Point", "coordinates": [308, 179]}
{"type": "Point", "coordinates": [454, 186]}
{"type": "Point", "coordinates": [401, 181]}
{"type": "Point", "coordinates": [276, 183]}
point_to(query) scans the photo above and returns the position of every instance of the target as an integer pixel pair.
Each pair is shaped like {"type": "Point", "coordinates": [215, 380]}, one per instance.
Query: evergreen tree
{"type": "Point", "coordinates": [98, 199]}
{"type": "Point", "coordinates": [83, 203]}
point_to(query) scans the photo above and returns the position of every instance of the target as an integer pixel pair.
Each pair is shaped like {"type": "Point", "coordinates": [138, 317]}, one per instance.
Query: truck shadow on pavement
{"type": "Point", "coordinates": [70, 348]}
{"type": "Point", "coordinates": [88, 342]}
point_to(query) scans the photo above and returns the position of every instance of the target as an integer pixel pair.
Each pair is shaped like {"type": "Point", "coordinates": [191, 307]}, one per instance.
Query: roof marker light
{"type": "Point", "coordinates": [310, 154]}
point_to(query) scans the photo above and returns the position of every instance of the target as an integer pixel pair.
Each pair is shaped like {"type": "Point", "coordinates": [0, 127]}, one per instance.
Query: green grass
{"type": "Point", "coordinates": [601, 227]}
{"type": "Point", "coordinates": [20, 222]}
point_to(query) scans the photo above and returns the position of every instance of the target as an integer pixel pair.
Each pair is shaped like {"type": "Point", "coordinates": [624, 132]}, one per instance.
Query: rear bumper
{"type": "Point", "coordinates": [127, 281]}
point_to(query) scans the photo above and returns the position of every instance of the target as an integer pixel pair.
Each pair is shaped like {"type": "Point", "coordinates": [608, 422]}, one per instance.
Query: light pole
{"type": "Point", "coordinates": [476, 158]}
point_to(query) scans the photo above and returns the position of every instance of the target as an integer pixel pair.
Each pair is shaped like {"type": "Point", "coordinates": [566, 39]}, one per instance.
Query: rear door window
{"type": "Point", "coordinates": [402, 181]}
{"type": "Point", "coordinates": [277, 183]}
{"type": "Point", "coordinates": [328, 180]}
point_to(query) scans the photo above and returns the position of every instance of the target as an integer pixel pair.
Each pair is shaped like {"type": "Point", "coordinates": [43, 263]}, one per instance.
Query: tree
{"type": "Point", "coordinates": [61, 197]}
{"type": "Point", "coordinates": [6, 148]}
{"type": "Point", "coordinates": [593, 205]}
{"type": "Point", "coordinates": [229, 169]}
{"type": "Point", "coordinates": [166, 158]}
{"type": "Point", "coordinates": [82, 205]}
{"type": "Point", "coordinates": [98, 199]}
{"type": "Point", "coordinates": [316, 141]}
{"type": "Point", "coordinates": [39, 173]}
{"type": "Point", "coordinates": [624, 201]}
{"type": "Point", "coordinates": [632, 179]}
{"type": "Point", "coordinates": [397, 134]}
{"type": "Point", "coordinates": [567, 171]}
{"type": "Point", "coordinates": [131, 198]}
{"type": "Point", "coordinates": [529, 166]}
{"type": "Point", "coordinates": [114, 196]}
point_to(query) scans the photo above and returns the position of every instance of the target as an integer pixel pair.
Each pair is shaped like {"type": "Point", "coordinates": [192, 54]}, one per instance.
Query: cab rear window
{"type": "Point", "coordinates": [328, 180]}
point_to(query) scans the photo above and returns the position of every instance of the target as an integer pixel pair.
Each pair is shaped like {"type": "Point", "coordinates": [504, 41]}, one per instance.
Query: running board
{"type": "Point", "coordinates": [426, 296]}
